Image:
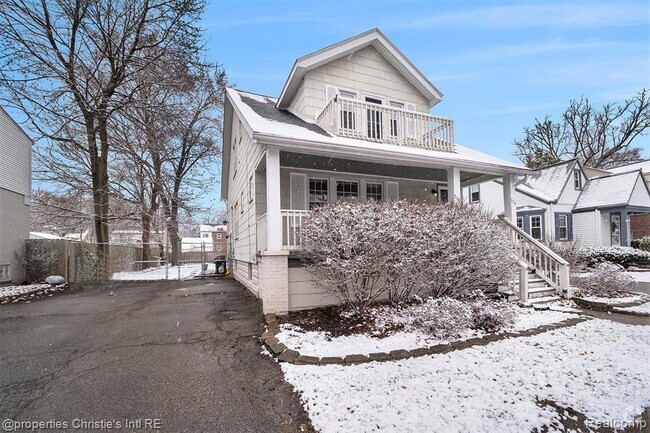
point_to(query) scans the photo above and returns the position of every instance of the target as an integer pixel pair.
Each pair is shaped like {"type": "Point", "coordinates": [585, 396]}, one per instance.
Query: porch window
{"type": "Point", "coordinates": [318, 195]}
{"type": "Point", "coordinates": [346, 189]}
{"type": "Point", "coordinates": [536, 227]}
{"type": "Point", "coordinates": [520, 222]}
{"type": "Point", "coordinates": [577, 179]}
{"type": "Point", "coordinates": [374, 191]}
{"type": "Point", "coordinates": [394, 117]}
{"type": "Point", "coordinates": [474, 193]}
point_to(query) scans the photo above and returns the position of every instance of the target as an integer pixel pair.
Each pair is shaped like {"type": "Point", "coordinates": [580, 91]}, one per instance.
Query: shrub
{"type": "Point", "coordinates": [39, 259]}
{"type": "Point", "coordinates": [644, 243]}
{"type": "Point", "coordinates": [362, 250]}
{"type": "Point", "coordinates": [606, 278]}
{"type": "Point", "coordinates": [624, 256]}
{"type": "Point", "coordinates": [491, 316]}
{"type": "Point", "coordinates": [442, 317]}
{"type": "Point", "coordinates": [570, 251]}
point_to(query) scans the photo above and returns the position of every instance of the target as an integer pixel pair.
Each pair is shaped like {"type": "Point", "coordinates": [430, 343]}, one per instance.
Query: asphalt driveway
{"type": "Point", "coordinates": [183, 356]}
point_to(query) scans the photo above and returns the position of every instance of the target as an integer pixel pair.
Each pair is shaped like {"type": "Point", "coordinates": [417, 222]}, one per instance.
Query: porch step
{"type": "Point", "coordinates": [544, 300]}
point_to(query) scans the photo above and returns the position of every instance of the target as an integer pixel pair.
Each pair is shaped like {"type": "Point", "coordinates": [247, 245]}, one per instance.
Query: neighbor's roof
{"type": "Point", "coordinates": [547, 183]}
{"type": "Point", "coordinates": [608, 191]}
{"type": "Point", "coordinates": [372, 37]}
{"type": "Point", "coordinates": [643, 165]}
{"type": "Point", "coordinates": [267, 123]}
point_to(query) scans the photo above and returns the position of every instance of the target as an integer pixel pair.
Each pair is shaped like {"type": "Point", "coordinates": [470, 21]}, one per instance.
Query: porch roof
{"type": "Point", "coordinates": [275, 127]}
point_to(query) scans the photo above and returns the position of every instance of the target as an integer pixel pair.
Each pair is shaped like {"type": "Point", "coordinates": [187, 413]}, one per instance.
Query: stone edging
{"type": "Point", "coordinates": [610, 308]}
{"type": "Point", "coordinates": [284, 354]}
{"type": "Point", "coordinates": [34, 294]}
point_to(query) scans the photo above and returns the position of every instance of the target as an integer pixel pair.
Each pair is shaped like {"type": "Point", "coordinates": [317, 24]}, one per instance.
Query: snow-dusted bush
{"type": "Point", "coordinates": [40, 259]}
{"type": "Point", "coordinates": [362, 250]}
{"type": "Point", "coordinates": [570, 251]}
{"type": "Point", "coordinates": [606, 278]}
{"type": "Point", "coordinates": [624, 256]}
{"type": "Point", "coordinates": [442, 317]}
{"type": "Point", "coordinates": [492, 316]}
{"type": "Point", "coordinates": [644, 243]}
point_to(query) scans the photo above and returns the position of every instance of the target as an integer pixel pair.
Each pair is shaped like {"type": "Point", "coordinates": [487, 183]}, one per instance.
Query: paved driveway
{"type": "Point", "coordinates": [183, 353]}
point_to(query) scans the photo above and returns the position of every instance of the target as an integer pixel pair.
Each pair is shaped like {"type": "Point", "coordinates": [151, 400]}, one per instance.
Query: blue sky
{"type": "Point", "coordinates": [500, 65]}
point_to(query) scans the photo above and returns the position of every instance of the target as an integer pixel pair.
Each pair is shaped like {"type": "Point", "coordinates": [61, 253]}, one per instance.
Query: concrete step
{"type": "Point", "coordinates": [544, 300]}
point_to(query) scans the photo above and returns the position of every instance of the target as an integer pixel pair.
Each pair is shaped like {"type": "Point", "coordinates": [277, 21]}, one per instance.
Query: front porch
{"type": "Point", "coordinates": [289, 184]}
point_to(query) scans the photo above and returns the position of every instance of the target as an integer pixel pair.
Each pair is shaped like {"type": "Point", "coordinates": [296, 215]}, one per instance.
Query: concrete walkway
{"type": "Point", "coordinates": [183, 353]}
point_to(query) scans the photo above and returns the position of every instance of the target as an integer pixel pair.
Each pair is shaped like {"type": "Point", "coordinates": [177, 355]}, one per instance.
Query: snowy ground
{"type": "Point", "coordinates": [642, 277]}
{"type": "Point", "coordinates": [321, 344]}
{"type": "Point", "coordinates": [188, 272]}
{"type": "Point", "coordinates": [643, 309]}
{"type": "Point", "coordinates": [613, 301]}
{"type": "Point", "coordinates": [10, 291]}
{"type": "Point", "coordinates": [598, 368]}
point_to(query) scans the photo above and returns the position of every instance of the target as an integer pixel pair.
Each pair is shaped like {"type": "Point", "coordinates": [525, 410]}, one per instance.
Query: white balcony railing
{"type": "Point", "coordinates": [367, 121]}
{"type": "Point", "coordinates": [291, 223]}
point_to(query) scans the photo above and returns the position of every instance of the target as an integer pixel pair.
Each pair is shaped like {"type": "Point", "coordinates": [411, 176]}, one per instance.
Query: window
{"type": "Point", "coordinates": [474, 193]}
{"type": "Point", "coordinates": [563, 227]}
{"type": "Point", "coordinates": [251, 189]}
{"type": "Point", "coordinates": [536, 226]}
{"type": "Point", "coordinates": [520, 222]}
{"type": "Point", "coordinates": [374, 191]}
{"type": "Point", "coordinates": [346, 189]}
{"type": "Point", "coordinates": [394, 118]}
{"type": "Point", "coordinates": [218, 247]}
{"type": "Point", "coordinates": [577, 179]}
{"type": "Point", "coordinates": [205, 235]}
{"type": "Point", "coordinates": [218, 235]}
{"type": "Point", "coordinates": [318, 194]}
{"type": "Point", "coordinates": [374, 119]}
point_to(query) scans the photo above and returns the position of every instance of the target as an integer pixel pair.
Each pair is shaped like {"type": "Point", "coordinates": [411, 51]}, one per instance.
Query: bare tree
{"type": "Point", "coordinates": [66, 65]}
{"type": "Point", "coordinates": [597, 138]}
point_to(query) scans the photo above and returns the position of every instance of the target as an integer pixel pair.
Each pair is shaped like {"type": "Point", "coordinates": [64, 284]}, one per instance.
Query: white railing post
{"type": "Point", "coordinates": [523, 282]}
{"type": "Point", "coordinates": [565, 288]}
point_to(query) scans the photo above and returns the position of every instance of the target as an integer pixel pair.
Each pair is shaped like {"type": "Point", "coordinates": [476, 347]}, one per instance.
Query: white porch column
{"type": "Point", "coordinates": [509, 205]}
{"type": "Point", "coordinates": [273, 214]}
{"type": "Point", "coordinates": [453, 183]}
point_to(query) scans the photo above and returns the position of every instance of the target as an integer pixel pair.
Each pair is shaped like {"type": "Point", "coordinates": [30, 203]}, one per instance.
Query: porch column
{"type": "Point", "coordinates": [273, 214]}
{"type": "Point", "coordinates": [509, 205]}
{"type": "Point", "coordinates": [453, 183]}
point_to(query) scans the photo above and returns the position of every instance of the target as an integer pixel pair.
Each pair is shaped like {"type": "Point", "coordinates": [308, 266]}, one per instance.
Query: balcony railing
{"type": "Point", "coordinates": [381, 123]}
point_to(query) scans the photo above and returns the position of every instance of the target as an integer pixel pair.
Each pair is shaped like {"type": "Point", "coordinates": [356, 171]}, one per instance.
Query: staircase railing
{"type": "Point", "coordinates": [547, 264]}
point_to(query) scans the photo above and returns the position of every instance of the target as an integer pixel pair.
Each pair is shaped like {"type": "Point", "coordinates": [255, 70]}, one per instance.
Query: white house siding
{"type": "Point", "coordinates": [605, 230]}
{"type": "Point", "coordinates": [491, 194]}
{"type": "Point", "coordinates": [15, 193]}
{"type": "Point", "coordinates": [14, 230]}
{"type": "Point", "coordinates": [366, 71]}
{"type": "Point", "coordinates": [248, 156]}
{"type": "Point", "coordinates": [639, 195]}
{"type": "Point", "coordinates": [408, 189]}
{"type": "Point", "coordinates": [304, 293]}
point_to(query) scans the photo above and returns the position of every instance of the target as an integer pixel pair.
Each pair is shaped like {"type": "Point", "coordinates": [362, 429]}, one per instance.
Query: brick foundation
{"type": "Point", "coordinates": [273, 271]}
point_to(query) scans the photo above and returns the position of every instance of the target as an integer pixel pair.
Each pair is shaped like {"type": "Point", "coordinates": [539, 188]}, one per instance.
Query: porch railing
{"type": "Point", "coordinates": [547, 264]}
{"type": "Point", "coordinates": [358, 119]}
{"type": "Point", "coordinates": [291, 223]}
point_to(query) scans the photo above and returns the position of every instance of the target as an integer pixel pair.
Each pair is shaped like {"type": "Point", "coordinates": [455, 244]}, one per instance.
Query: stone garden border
{"type": "Point", "coordinates": [611, 308]}
{"type": "Point", "coordinates": [46, 290]}
{"type": "Point", "coordinates": [284, 354]}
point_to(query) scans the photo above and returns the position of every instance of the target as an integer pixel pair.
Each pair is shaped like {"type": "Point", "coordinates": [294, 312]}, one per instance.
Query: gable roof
{"type": "Point", "coordinates": [608, 191]}
{"type": "Point", "coordinates": [548, 183]}
{"type": "Point", "coordinates": [372, 37]}
{"type": "Point", "coordinates": [643, 165]}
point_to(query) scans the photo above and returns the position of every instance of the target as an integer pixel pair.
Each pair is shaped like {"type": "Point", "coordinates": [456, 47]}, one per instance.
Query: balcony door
{"type": "Point", "coordinates": [374, 118]}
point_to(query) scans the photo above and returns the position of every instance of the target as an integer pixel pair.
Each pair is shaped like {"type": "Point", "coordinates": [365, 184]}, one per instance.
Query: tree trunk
{"type": "Point", "coordinates": [146, 238]}
{"type": "Point", "coordinates": [100, 200]}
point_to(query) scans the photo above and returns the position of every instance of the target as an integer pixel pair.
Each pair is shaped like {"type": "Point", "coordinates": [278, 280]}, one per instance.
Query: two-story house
{"type": "Point", "coordinates": [15, 197]}
{"type": "Point", "coordinates": [568, 202]}
{"type": "Point", "coordinates": [352, 120]}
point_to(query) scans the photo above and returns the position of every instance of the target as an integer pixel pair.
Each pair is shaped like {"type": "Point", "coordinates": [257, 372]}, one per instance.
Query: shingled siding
{"type": "Point", "coordinates": [365, 71]}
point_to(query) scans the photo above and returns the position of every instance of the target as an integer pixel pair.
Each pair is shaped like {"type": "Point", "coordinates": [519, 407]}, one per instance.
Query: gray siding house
{"type": "Point", "coordinates": [15, 196]}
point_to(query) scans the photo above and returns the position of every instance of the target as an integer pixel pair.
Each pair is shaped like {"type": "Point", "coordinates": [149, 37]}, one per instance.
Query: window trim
{"type": "Point", "coordinates": [566, 226]}
{"type": "Point", "coordinates": [336, 182]}
{"type": "Point", "coordinates": [471, 193]}
{"type": "Point", "coordinates": [327, 191]}
{"type": "Point", "coordinates": [530, 222]}
{"type": "Point", "coordinates": [520, 218]}
{"type": "Point", "coordinates": [577, 180]}
{"type": "Point", "coordinates": [381, 189]}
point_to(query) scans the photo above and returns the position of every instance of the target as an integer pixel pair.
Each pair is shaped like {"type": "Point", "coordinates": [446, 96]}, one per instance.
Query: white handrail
{"type": "Point", "coordinates": [291, 222]}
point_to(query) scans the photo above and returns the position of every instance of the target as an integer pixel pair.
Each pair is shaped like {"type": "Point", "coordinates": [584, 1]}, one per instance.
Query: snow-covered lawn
{"type": "Point", "coordinates": [641, 277]}
{"type": "Point", "coordinates": [598, 368]}
{"type": "Point", "coordinates": [314, 343]}
{"type": "Point", "coordinates": [188, 272]}
{"type": "Point", "coordinates": [10, 291]}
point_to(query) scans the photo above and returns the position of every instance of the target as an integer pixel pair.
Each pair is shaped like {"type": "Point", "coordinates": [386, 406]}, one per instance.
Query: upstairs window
{"type": "Point", "coordinates": [346, 189]}
{"type": "Point", "coordinates": [474, 193]}
{"type": "Point", "coordinates": [562, 227]}
{"type": "Point", "coordinates": [374, 191]}
{"type": "Point", "coordinates": [577, 179]}
{"type": "Point", "coordinates": [318, 194]}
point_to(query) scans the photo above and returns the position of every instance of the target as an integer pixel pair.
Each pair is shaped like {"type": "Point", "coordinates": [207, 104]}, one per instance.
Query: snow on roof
{"type": "Point", "coordinates": [607, 191]}
{"type": "Point", "coordinates": [265, 118]}
{"type": "Point", "coordinates": [643, 165]}
{"type": "Point", "coordinates": [547, 183]}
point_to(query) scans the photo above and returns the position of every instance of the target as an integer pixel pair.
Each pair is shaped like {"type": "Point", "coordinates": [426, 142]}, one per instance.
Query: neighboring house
{"type": "Point", "coordinates": [352, 120]}
{"type": "Point", "coordinates": [126, 237]}
{"type": "Point", "coordinates": [15, 196]}
{"type": "Point", "coordinates": [562, 203]}
{"type": "Point", "coordinates": [639, 223]}
{"type": "Point", "coordinates": [217, 234]}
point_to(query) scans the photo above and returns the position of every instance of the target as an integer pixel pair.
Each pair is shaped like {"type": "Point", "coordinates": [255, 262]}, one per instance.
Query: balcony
{"type": "Point", "coordinates": [362, 120]}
